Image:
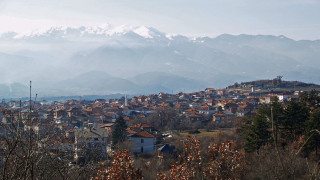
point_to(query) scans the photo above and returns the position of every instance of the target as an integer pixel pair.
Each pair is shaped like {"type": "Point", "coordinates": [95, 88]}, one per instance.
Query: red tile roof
{"type": "Point", "coordinates": [130, 131]}
{"type": "Point", "coordinates": [144, 134]}
{"type": "Point", "coordinates": [106, 125]}
{"type": "Point", "coordinates": [219, 114]}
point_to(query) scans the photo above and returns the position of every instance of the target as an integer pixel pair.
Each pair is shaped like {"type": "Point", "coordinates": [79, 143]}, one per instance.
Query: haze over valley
{"type": "Point", "coordinates": [100, 60]}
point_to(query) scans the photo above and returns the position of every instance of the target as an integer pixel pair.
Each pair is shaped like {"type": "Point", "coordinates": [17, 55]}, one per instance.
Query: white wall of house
{"type": "Point", "coordinates": [140, 144]}
{"type": "Point", "coordinates": [283, 97]}
{"type": "Point", "coordinates": [268, 100]}
{"type": "Point", "coordinates": [194, 105]}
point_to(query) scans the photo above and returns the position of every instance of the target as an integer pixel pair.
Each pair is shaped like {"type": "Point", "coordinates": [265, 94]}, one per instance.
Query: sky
{"type": "Point", "coordinates": [297, 19]}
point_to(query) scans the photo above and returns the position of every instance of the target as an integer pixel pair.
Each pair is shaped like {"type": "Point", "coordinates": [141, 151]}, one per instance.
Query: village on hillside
{"type": "Point", "coordinates": [78, 127]}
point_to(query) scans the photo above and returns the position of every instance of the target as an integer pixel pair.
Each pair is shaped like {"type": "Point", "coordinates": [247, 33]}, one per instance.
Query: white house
{"type": "Point", "coordinates": [143, 138]}
{"type": "Point", "coordinates": [143, 141]}
{"type": "Point", "coordinates": [194, 105]}
{"type": "Point", "coordinates": [284, 96]}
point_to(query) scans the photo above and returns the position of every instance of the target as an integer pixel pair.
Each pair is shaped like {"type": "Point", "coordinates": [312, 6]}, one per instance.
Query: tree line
{"type": "Point", "coordinates": [284, 123]}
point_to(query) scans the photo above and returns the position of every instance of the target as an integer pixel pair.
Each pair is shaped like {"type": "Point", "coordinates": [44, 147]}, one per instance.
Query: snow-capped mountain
{"type": "Point", "coordinates": [134, 55]}
{"type": "Point", "coordinates": [75, 33]}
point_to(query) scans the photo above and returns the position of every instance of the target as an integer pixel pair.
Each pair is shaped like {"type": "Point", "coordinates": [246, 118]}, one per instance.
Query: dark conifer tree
{"type": "Point", "coordinates": [257, 135]}
{"type": "Point", "coordinates": [295, 116]}
{"type": "Point", "coordinates": [119, 133]}
{"type": "Point", "coordinates": [313, 128]}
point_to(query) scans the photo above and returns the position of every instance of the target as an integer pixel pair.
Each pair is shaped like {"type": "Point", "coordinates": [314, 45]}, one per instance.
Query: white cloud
{"type": "Point", "coordinates": [22, 25]}
{"type": "Point", "coordinates": [304, 2]}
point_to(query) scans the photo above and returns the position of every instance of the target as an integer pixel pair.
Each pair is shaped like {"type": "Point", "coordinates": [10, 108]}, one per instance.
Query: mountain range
{"type": "Point", "coordinates": [133, 60]}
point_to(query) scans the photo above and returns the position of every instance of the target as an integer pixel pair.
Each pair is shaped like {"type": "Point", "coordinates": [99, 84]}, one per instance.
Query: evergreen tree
{"type": "Point", "coordinates": [314, 99]}
{"type": "Point", "coordinates": [295, 116]}
{"type": "Point", "coordinates": [313, 124]}
{"type": "Point", "coordinates": [311, 100]}
{"type": "Point", "coordinates": [119, 133]}
{"type": "Point", "coordinates": [277, 111]}
{"type": "Point", "coordinates": [277, 115]}
{"type": "Point", "coordinates": [257, 135]}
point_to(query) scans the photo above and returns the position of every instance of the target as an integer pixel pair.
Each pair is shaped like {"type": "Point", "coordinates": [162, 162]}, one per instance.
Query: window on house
{"type": "Point", "coordinates": [142, 140]}
{"type": "Point", "coordinates": [141, 148]}
{"type": "Point", "coordinates": [96, 139]}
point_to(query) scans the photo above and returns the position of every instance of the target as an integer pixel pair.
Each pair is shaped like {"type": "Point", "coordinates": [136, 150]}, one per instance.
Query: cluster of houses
{"type": "Point", "coordinates": [87, 125]}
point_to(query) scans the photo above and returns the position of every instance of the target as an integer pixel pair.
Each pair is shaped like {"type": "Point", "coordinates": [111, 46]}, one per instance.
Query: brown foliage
{"type": "Point", "coordinates": [190, 165]}
{"type": "Point", "coordinates": [224, 163]}
{"type": "Point", "coordinates": [122, 168]}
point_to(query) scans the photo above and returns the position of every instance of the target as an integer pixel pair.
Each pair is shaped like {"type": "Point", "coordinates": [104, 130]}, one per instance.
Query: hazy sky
{"type": "Point", "coordinates": [298, 19]}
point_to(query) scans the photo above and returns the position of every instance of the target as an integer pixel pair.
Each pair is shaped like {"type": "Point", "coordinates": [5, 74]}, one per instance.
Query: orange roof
{"type": "Point", "coordinates": [204, 108]}
{"type": "Point", "coordinates": [141, 115]}
{"type": "Point", "coordinates": [192, 111]}
{"type": "Point", "coordinates": [126, 118]}
{"type": "Point", "coordinates": [220, 114]}
{"type": "Point", "coordinates": [145, 134]}
{"type": "Point", "coordinates": [130, 131]}
{"type": "Point", "coordinates": [106, 125]}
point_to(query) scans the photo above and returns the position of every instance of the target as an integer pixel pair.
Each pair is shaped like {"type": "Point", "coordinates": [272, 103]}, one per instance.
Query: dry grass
{"type": "Point", "coordinates": [214, 133]}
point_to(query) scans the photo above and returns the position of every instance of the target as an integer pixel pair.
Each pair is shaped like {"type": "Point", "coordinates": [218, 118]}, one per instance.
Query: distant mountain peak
{"type": "Point", "coordinates": [106, 30]}
{"type": "Point", "coordinates": [75, 56]}
{"type": "Point", "coordinates": [143, 31]}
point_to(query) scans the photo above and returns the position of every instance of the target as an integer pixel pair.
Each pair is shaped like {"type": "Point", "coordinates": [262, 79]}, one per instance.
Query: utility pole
{"type": "Point", "coordinates": [30, 100]}
{"type": "Point", "coordinates": [30, 119]}
{"type": "Point", "coordinates": [19, 118]}
{"type": "Point", "coordinates": [276, 145]}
